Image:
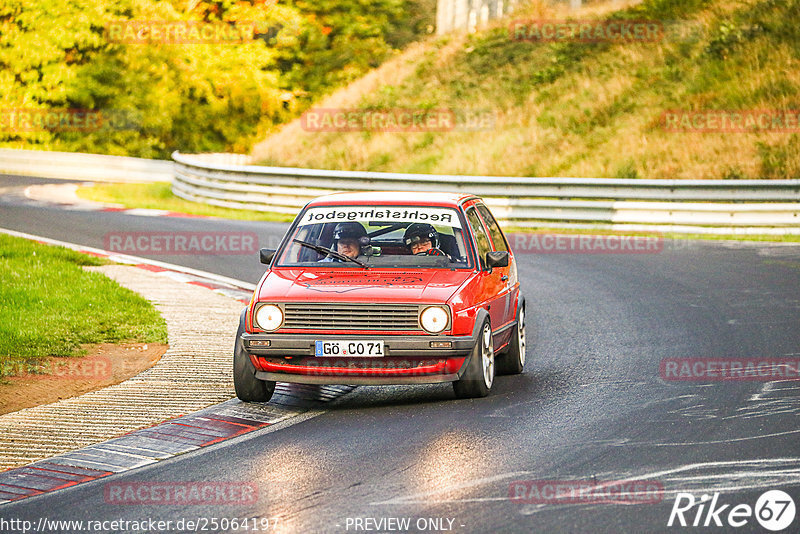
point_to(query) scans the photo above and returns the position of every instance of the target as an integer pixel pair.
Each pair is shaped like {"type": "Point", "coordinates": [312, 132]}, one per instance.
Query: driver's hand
{"type": "Point", "coordinates": [435, 252]}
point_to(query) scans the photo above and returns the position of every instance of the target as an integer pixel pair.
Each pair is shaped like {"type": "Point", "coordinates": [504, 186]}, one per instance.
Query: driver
{"type": "Point", "coordinates": [349, 238]}
{"type": "Point", "coordinates": [422, 238]}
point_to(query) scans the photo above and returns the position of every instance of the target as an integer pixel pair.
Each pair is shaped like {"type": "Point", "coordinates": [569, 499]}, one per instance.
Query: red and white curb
{"type": "Point", "coordinates": [185, 434]}
{"type": "Point", "coordinates": [230, 287]}
{"type": "Point", "coordinates": [65, 196]}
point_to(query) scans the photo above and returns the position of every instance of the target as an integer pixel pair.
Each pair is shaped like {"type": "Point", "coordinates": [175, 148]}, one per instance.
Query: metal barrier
{"type": "Point", "coordinates": [680, 206]}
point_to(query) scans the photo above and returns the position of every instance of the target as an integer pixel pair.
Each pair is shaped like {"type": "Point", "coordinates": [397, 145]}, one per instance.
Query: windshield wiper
{"type": "Point", "coordinates": [325, 250]}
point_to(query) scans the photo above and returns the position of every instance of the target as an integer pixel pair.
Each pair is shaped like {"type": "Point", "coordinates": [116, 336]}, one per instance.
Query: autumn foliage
{"type": "Point", "coordinates": [191, 75]}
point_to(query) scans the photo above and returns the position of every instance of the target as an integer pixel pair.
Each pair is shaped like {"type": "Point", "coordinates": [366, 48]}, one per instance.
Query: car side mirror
{"type": "Point", "coordinates": [266, 255]}
{"type": "Point", "coordinates": [498, 258]}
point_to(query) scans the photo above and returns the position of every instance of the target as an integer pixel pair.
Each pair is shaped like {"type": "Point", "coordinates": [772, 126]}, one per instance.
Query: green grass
{"type": "Point", "coordinates": [50, 306]}
{"type": "Point", "coordinates": [159, 196]}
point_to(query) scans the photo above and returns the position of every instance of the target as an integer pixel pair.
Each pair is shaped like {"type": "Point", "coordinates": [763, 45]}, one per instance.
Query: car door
{"type": "Point", "coordinates": [499, 242]}
{"type": "Point", "coordinates": [508, 274]}
{"type": "Point", "coordinates": [494, 291]}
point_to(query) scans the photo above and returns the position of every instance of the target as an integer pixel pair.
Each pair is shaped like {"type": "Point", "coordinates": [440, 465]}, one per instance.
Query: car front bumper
{"type": "Point", "coordinates": [407, 359]}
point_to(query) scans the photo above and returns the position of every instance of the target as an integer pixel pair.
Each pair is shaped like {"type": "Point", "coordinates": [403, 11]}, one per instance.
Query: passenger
{"type": "Point", "coordinates": [422, 238]}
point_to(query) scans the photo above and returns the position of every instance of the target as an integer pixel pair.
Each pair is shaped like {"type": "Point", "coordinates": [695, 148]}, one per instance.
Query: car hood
{"type": "Point", "coordinates": [347, 285]}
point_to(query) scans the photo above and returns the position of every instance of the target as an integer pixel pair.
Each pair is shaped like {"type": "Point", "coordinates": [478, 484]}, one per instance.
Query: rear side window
{"type": "Point", "coordinates": [481, 237]}
{"type": "Point", "coordinates": [498, 238]}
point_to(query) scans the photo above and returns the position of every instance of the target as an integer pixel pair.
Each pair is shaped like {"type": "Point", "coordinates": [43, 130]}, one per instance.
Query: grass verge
{"type": "Point", "coordinates": [50, 306]}
{"type": "Point", "coordinates": [159, 196]}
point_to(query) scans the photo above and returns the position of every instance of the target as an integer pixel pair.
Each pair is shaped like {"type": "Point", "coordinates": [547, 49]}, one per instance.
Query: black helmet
{"type": "Point", "coordinates": [350, 230]}
{"type": "Point", "coordinates": [417, 232]}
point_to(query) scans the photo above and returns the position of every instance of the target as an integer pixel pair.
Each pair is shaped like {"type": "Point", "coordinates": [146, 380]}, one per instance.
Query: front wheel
{"type": "Point", "coordinates": [479, 377]}
{"type": "Point", "coordinates": [248, 388]}
{"type": "Point", "coordinates": [513, 361]}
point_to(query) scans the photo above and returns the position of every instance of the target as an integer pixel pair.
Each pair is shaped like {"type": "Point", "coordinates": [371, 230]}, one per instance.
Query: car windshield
{"type": "Point", "coordinates": [381, 237]}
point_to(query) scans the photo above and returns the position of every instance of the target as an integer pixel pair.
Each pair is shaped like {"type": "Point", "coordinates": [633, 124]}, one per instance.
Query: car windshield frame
{"type": "Point", "coordinates": [403, 262]}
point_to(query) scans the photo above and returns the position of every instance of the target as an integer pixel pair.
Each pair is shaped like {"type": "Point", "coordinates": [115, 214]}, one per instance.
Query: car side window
{"type": "Point", "coordinates": [498, 239]}
{"type": "Point", "coordinates": [480, 236]}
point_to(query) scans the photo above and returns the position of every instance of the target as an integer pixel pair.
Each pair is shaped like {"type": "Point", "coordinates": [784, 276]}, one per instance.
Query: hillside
{"type": "Point", "coordinates": [572, 108]}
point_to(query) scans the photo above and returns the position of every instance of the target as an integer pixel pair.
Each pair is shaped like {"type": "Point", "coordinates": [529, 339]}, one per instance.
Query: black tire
{"type": "Point", "coordinates": [513, 361]}
{"type": "Point", "coordinates": [478, 379]}
{"type": "Point", "coordinates": [248, 388]}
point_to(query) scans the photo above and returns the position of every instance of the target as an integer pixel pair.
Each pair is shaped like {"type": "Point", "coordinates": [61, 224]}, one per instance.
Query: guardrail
{"type": "Point", "coordinates": [77, 166]}
{"type": "Point", "coordinates": [680, 206]}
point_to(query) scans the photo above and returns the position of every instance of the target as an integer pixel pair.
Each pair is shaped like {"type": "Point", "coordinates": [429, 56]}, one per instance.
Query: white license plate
{"type": "Point", "coordinates": [350, 348]}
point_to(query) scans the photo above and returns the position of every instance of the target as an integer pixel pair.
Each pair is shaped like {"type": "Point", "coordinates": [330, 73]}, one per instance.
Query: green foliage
{"type": "Point", "coordinates": [733, 173]}
{"type": "Point", "coordinates": [727, 36]}
{"type": "Point", "coordinates": [780, 160]}
{"type": "Point", "coordinates": [214, 96]}
{"type": "Point", "coordinates": [627, 170]}
{"type": "Point", "coordinates": [775, 19]}
{"type": "Point", "coordinates": [418, 17]}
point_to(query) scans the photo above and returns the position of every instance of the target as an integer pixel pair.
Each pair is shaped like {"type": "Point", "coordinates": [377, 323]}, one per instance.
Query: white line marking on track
{"type": "Point", "coordinates": [134, 260]}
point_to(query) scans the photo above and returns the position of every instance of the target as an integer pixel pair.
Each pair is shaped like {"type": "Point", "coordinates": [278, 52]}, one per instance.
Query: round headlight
{"type": "Point", "coordinates": [269, 317]}
{"type": "Point", "coordinates": [433, 319]}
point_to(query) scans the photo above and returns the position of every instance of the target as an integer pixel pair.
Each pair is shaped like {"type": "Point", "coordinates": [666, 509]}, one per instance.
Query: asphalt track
{"type": "Point", "coordinates": [590, 407]}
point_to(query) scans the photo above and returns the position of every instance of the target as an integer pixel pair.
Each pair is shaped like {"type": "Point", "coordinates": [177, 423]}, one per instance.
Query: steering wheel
{"type": "Point", "coordinates": [431, 252]}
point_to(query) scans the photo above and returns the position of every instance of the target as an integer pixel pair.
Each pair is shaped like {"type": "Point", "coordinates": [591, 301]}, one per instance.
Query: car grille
{"type": "Point", "coordinates": [322, 316]}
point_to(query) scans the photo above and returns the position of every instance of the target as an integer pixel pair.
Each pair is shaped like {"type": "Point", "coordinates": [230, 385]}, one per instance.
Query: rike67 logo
{"type": "Point", "coordinates": [774, 510]}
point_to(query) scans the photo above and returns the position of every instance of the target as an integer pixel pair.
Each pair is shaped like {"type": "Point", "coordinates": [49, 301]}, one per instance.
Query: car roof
{"type": "Point", "coordinates": [392, 197]}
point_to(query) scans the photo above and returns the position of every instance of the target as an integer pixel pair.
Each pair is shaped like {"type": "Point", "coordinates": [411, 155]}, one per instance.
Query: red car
{"type": "Point", "coordinates": [384, 288]}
